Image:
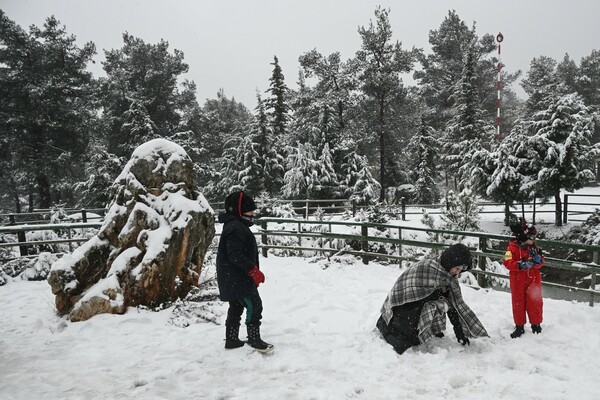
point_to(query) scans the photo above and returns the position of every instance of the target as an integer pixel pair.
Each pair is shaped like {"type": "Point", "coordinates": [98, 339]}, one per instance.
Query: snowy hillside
{"type": "Point", "coordinates": [322, 324]}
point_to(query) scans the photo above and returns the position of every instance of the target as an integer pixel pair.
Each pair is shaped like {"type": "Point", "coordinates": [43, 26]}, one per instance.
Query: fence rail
{"type": "Point", "coordinates": [306, 207]}
{"type": "Point", "coordinates": [481, 252]}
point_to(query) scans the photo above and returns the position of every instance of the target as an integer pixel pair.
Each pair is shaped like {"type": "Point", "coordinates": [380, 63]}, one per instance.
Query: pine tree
{"type": "Point", "coordinates": [561, 141]}
{"type": "Point", "coordinates": [443, 68]}
{"type": "Point", "coordinates": [380, 62]}
{"type": "Point", "coordinates": [148, 74]}
{"type": "Point", "coordinates": [101, 170]}
{"type": "Point", "coordinates": [301, 174]}
{"type": "Point", "coordinates": [540, 84]}
{"type": "Point", "coordinates": [137, 128]}
{"type": "Point", "coordinates": [366, 190]}
{"type": "Point", "coordinates": [423, 147]}
{"type": "Point", "coordinates": [271, 164]}
{"type": "Point", "coordinates": [276, 103]}
{"type": "Point", "coordinates": [507, 172]}
{"type": "Point", "coordinates": [462, 212]}
{"type": "Point", "coordinates": [466, 132]}
{"type": "Point", "coordinates": [326, 184]}
{"type": "Point", "coordinates": [47, 109]}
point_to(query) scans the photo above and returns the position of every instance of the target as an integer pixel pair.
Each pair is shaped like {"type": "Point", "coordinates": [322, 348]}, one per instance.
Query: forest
{"type": "Point", "coordinates": [352, 129]}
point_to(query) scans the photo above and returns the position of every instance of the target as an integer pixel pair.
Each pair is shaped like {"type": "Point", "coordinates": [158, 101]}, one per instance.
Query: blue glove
{"type": "Point", "coordinates": [535, 256]}
{"type": "Point", "coordinates": [524, 265]}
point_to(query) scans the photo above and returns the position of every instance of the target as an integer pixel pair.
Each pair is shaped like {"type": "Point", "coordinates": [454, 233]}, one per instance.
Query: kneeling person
{"type": "Point", "coordinates": [416, 307]}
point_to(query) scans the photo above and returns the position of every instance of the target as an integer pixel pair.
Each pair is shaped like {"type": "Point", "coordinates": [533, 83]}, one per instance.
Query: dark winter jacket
{"type": "Point", "coordinates": [237, 254]}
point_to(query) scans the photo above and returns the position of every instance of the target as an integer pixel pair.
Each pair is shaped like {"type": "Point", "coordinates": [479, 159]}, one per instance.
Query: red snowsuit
{"type": "Point", "coordinates": [525, 285]}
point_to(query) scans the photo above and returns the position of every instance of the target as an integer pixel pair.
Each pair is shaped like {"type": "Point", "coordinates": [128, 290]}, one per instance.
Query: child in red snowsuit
{"type": "Point", "coordinates": [523, 259]}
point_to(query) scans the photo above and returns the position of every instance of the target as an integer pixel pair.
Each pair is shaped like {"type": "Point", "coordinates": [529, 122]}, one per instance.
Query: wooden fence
{"type": "Point", "coordinates": [572, 210]}
{"type": "Point", "coordinates": [326, 237]}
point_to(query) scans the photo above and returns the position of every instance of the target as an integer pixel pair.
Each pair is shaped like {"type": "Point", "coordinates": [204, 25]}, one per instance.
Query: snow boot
{"type": "Point", "coordinates": [255, 341]}
{"type": "Point", "coordinates": [519, 330]}
{"type": "Point", "coordinates": [232, 340]}
{"type": "Point", "coordinates": [536, 328]}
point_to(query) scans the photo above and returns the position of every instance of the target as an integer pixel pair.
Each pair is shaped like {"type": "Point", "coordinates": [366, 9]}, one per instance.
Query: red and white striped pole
{"type": "Point", "coordinates": [499, 38]}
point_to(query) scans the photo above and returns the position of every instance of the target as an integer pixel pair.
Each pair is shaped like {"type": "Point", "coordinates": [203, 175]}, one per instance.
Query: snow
{"type": "Point", "coordinates": [321, 321]}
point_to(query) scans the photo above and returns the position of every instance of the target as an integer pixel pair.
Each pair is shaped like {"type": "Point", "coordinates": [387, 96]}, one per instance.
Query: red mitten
{"type": "Point", "coordinates": [257, 276]}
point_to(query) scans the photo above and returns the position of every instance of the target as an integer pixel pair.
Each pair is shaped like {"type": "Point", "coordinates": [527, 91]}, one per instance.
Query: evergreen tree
{"type": "Point", "coordinates": [462, 212]}
{"type": "Point", "coordinates": [588, 80]}
{"type": "Point", "coordinates": [423, 147]}
{"type": "Point", "coordinates": [137, 128]}
{"type": "Point", "coordinates": [467, 131]}
{"type": "Point", "coordinates": [46, 110]}
{"type": "Point", "coordinates": [148, 74]}
{"type": "Point", "coordinates": [276, 103]}
{"type": "Point", "coordinates": [326, 184]}
{"type": "Point", "coordinates": [366, 190]}
{"type": "Point", "coordinates": [302, 173]}
{"type": "Point", "coordinates": [271, 169]}
{"type": "Point", "coordinates": [101, 170]}
{"type": "Point", "coordinates": [540, 84]}
{"type": "Point", "coordinates": [380, 62]}
{"type": "Point", "coordinates": [443, 68]}
{"type": "Point", "coordinates": [561, 141]}
{"type": "Point", "coordinates": [506, 173]}
{"type": "Point", "coordinates": [567, 73]}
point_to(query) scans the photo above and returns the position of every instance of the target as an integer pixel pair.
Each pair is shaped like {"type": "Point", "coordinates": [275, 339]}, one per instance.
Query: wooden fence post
{"type": "Point", "coordinates": [364, 231]}
{"type": "Point", "coordinates": [400, 245]}
{"type": "Point", "coordinates": [299, 238]}
{"type": "Point", "coordinates": [20, 236]}
{"type": "Point", "coordinates": [565, 210]}
{"type": "Point", "coordinates": [83, 215]}
{"type": "Point", "coordinates": [403, 204]}
{"type": "Point", "coordinates": [264, 239]}
{"type": "Point", "coordinates": [306, 210]}
{"type": "Point", "coordinates": [481, 278]}
{"type": "Point", "coordinates": [593, 279]}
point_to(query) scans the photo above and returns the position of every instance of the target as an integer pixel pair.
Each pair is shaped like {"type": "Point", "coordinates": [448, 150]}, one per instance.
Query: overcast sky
{"type": "Point", "coordinates": [230, 44]}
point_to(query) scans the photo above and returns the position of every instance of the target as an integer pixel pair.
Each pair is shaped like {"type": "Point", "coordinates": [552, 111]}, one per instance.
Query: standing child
{"type": "Point", "coordinates": [238, 273]}
{"type": "Point", "coordinates": [523, 260]}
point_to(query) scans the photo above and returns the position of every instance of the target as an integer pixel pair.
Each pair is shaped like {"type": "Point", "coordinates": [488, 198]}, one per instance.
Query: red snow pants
{"type": "Point", "coordinates": [526, 294]}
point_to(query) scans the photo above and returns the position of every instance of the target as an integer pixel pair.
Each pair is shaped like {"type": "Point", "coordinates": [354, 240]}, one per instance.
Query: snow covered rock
{"type": "Point", "coordinates": [152, 245]}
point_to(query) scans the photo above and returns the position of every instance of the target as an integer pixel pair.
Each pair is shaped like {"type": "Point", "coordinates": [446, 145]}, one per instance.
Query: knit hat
{"type": "Point", "coordinates": [238, 203]}
{"type": "Point", "coordinates": [457, 255]}
{"type": "Point", "coordinates": [523, 231]}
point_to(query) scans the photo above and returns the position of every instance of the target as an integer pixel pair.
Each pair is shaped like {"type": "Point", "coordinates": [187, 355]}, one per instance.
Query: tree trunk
{"type": "Point", "coordinates": [381, 148]}
{"type": "Point", "coordinates": [30, 197]}
{"type": "Point", "coordinates": [44, 191]}
{"type": "Point", "coordinates": [558, 209]}
{"type": "Point", "coordinates": [506, 213]}
{"type": "Point", "coordinates": [533, 216]}
{"type": "Point", "coordinates": [15, 193]}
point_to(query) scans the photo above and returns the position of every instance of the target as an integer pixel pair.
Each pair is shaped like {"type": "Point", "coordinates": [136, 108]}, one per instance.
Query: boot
{"type": "Point", "coordinates": [536, 328]}
{"type": "Point", "coordinates": [232, 340]}
{"type": "Point", "coordinates": [255, 341]}
{"type": "Point", "coordinates": [519, 330]}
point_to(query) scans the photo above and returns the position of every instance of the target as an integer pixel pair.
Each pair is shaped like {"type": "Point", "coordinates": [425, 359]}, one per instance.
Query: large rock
{"type": "Point", "coordinates": [151, 246]}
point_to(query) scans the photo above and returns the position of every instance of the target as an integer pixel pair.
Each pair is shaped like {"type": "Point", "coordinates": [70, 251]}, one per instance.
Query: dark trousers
{"type": "Point", "coordinates": [402, 331]}
{"type": "Point", "coordinates": [253, 306]}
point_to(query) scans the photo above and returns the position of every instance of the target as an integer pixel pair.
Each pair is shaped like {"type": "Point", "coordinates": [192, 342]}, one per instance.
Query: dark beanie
{"type": "Point", "coordinates": [238, 203]}
{"type": "Point", "coordinates": [456, 255]}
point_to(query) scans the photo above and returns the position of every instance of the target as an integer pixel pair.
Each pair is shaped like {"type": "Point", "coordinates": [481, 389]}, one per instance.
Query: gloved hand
{"type": "Point", "coordinates": [257, 276]}
{"type": "Point", "coordinates": [537, 259]}
{"type": "Point", "coordinates": [462, 339]}
{"type": "Point", "coordinates": [525, 265]}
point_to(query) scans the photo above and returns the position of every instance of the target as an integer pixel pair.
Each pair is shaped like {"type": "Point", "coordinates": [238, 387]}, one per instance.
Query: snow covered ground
{"type": "Point", "coordinates": [322, 324]}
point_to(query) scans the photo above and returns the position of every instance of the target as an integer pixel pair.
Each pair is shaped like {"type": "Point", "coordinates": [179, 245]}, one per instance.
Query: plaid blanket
{"type": "Point", "coordinates": [418, 282]}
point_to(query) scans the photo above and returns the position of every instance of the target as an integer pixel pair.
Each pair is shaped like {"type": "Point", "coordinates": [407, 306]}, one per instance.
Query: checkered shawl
{"type": "Point", "coordinates": [418, 282]}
